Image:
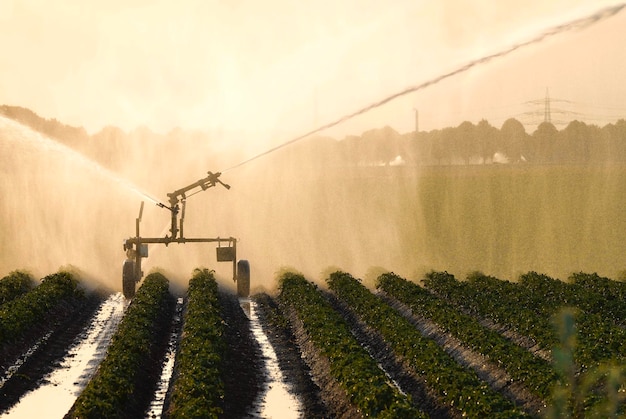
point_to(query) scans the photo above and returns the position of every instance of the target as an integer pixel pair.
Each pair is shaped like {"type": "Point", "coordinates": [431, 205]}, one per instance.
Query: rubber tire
{"type": "Point", "coordinates": [243, 279]}
{"type": "Point", "coordinates": [128, 279]}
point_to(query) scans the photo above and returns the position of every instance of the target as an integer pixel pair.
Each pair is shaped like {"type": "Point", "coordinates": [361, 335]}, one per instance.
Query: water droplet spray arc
{"type": "Point", "coordinates": [64, 209]}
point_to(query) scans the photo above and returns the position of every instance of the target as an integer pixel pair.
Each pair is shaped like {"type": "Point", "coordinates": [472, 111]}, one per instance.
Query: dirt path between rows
{"type": "Point", "coordinates": [64, 326]}
{"type": "Point", "coordinates": [243, 367]}
{"type": "Point", "coordinates": [296, 372]}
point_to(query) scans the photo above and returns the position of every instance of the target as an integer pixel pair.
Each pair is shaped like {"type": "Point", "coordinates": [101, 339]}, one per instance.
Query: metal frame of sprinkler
{"type": "Point", "coordinates": [137, 247]}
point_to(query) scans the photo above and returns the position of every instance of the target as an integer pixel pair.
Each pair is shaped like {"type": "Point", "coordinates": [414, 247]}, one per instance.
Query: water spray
{"type": "Point", "coordinates": [576, 24]}
{"type": "Point", "coordinates": [137, 247]}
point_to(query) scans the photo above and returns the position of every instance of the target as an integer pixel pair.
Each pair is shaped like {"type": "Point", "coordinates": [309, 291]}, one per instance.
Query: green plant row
{"type": "Point", "coordinates": [601, 296]}
{"type": "Point", "coordinates": [198, 390]}
{"type": "Point", "coordinates": [503, 302]}
{"type": "Point", "coordinates": [21, 314]}
{"type": "Point", "coordinates": [536, 374]}
{"type": "Point", "coordinates": [365, 383]}
{"type": "Point", "coordinates": [459, 387]}
{"type": "Point", "coordinates": [529, 308]}
{"type": "Point", "coordinates": [111, 393]}
{"type": "Point", "coordinates": [593, 324]}
{"type": "Point", "coordinates": [14, 285]}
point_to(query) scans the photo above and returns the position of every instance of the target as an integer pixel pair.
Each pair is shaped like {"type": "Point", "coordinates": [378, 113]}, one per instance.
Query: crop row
{"type": "Point", "coordinates": [529, 307]}
{"type": "Point", "coordinates": [20, 314]}
{"type": "Point", "coordinates": [588, 292]}
{"type": "Point", "coordinates": [499, 301]}
{"type": "Point", "coordinates": [604, 296]}
{"type": "Point", "coordinates": [592, 323]}
{"type": "Point", "coordinates": [536, 307]}
{"type": "Point", "coordinates": [365, 384]}
{"type": "Point", "coordinates": [536, 374]}
{"type": "Point", "coordinates": [198, 390]}
{"type": "Point", "coordinates": [113, 391]}
{"type": "Point", "coordinates": [457, 387]}
{"type": "Point", "coordinates": [15, 284]}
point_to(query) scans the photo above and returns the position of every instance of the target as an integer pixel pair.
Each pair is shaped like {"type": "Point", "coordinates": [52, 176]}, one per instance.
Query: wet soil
{"type": "Point", "coordinates": [65, 324]}
{"type": "Point", "coordinates": [243, 366]}
{"type": "Point", "coordinates": [296, 372]}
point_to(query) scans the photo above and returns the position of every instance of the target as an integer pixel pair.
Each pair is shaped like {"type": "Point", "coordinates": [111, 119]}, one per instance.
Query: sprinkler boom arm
{"type": "Point", "coordinates": [180, 195]}
{"type": "Point", "coordinates": [136, 247]}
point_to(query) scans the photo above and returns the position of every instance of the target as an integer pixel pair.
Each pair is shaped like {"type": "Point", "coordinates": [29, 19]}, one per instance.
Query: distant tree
{"type": "Point", "coordinates": [380, 145]}
{"type": "Point", "coordinates": [543, 142]}
{"type": "Point", "coordinates": [442, 145]}
{"type": "Point", "coordinates": [573, 143]}
{"type": "Point", "coordinates": [619, 139]}
{"type": "Point", "coordinates": [598, 147]}
{"type": "Point", "coordinates": [487, 137]}
{"type": "Point", "coordinates": [75, 137]}
{"type": "Point", "coordinates": [513, 140]}
{"type": "Point", "coordinates": [465, 141]}
{"type": "Point", "coordinates": [610, 137]}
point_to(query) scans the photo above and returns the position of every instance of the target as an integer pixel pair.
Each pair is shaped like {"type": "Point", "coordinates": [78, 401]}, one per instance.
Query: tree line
{"type": "Point", "coordinates": [467, 143]}
{"type": "Point", "coordinates": [482, 143]}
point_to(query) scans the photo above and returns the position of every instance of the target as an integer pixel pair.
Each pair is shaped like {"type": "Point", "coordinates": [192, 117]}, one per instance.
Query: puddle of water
{"type": "Point", "coordinates": [156, 406]}
{"type": "Point", "coordinates": [57, 394]}
{"type": "Point", "coordinates": [276, 401]}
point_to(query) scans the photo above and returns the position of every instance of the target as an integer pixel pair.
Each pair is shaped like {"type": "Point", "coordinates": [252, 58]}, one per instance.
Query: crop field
{"type": "Point", "coordinates": [441, 347]}
{"type": "Point", "coordinates": [313, 210]}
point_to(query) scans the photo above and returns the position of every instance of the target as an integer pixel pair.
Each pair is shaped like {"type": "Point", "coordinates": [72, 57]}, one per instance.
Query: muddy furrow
{"type": "Point", "coordinates": [243, 366]}
{"type": "Point", "coordinates": [295, 371]}
{"type": "Point", "coordinates": [67, 375]}
{"type": "Point", "coordinates": [331, 392]}
{"type": "Point", "coordinates": [30, 370]}
{"type": "Point", "coordinates": [277, 399]}
{"type": "Point", "coordinates": [158, 405]}
{"type": "Point", "coordinates": [496, 377]}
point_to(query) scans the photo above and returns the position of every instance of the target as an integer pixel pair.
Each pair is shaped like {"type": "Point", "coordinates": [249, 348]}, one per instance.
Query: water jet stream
{"type": "Point", "coordinates": [36, 139]}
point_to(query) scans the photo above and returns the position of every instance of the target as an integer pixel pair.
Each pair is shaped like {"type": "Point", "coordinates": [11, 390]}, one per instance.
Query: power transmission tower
{"type": "Point", "coordinates": [533, 117]}
{"type": "Point", "coordinates": [547, 117]}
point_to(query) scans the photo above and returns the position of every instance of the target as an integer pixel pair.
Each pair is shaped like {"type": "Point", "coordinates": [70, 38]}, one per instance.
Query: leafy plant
{"type": "Point", "coordinates": [21, 314]}
{"type": "Point", "coordinates": [198, 390]}
{"type": "Point", "coordinates": [14, 285]}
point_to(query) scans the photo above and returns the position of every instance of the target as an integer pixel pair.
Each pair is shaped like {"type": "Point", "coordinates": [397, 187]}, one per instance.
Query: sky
{"type": "Point", "coordinates": [279, 68]}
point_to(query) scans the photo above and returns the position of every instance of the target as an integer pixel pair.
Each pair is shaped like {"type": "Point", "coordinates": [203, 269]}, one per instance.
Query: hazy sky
{"type": "Point", "coordinates": [284, 66]}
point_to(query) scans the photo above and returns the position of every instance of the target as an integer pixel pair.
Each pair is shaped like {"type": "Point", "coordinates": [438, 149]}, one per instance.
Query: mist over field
{"type": "Point", "coordinates": [317, 205]}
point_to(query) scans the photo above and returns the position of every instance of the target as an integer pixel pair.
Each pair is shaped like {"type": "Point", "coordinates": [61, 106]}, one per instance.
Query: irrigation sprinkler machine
{"type": "Point", "coordinates": [137, 247]}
